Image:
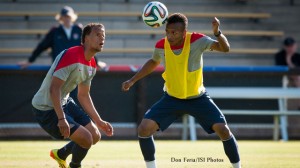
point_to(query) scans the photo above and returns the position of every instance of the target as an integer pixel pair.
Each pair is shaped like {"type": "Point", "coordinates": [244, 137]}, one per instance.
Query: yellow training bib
{"type": "Point", "coordinates": [179, 82]}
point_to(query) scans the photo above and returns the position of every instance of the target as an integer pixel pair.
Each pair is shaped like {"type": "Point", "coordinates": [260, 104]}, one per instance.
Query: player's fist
{"type": "Point", "coordinates": [126, 85]}
{"type": "Point", "coordinates": [64, 128]}
{"type": "Point", "coordinates": [216, 25]}
{"type": "Point", "coordinates": [107, 128]}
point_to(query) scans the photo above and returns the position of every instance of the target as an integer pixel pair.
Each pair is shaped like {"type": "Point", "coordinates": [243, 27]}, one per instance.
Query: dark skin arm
{"type": "Point", "coordinates": [222, 43]}
{"type": "Point", "coordinates": [147, 68]}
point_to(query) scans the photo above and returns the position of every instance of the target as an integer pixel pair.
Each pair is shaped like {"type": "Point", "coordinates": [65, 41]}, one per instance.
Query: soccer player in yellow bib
{"type": "Point", "coordinates": [181, 53]}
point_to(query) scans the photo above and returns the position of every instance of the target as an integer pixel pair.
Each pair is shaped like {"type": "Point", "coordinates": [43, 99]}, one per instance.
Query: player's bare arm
{"type": "Point", "coordinates": [55, 92]}
{"type": "Point", "coordinates": [222, 43]}
{"type": "Point", "coordinates": [147, 68]}
{"type": "Point", "coordinates": [88, 105]}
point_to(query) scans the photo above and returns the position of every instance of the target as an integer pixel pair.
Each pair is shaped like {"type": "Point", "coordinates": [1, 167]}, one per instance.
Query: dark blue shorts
{"type": "Point", "coordinates": [168, 109]}
{"type": "Point", "coordinates": [74, 114]}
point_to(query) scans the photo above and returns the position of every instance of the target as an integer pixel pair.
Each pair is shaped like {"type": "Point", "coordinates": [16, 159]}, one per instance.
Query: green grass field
{"type": "Point", "coordinates": [126, 154]}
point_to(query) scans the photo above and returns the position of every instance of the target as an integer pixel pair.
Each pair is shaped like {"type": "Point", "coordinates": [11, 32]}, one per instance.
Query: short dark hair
{"type": "Point", "coordinates": [178, 18]}
{"type": "Point", "coordinates": [88, 29]}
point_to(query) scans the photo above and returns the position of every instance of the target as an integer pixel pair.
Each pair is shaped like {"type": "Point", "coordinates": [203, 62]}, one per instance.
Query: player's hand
{"type": "Point", "coordinates": [126, 85]}
{"type": "Point", "coordinates": [216, 25]}
{"type": "Point", "coordinates": [107, 128]}
{"type": "Point", "coordinates": [64, 128]}
{"type": "Point", "coordinates": [24, 64]}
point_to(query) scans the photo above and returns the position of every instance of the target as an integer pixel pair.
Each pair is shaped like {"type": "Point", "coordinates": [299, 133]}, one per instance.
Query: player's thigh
{"type": "Point", "coordinates": [206, 112]}
{"type": "Point", "coordinates": [147, 128]}
{"type": "Point", "coordinates": [92, 128]}
{"type": "Point", "coordinates": [82, 137]}
{"type": "Point", "coordinates": [162, 114]}
{"type": "Point", "coordinates": [48, 121]}
{"type": "Point", "coordinates": [76, 112]}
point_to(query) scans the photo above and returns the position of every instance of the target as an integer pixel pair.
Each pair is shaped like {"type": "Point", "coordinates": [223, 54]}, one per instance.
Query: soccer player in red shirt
{"type": "Point", "coordinates": [58, 114]}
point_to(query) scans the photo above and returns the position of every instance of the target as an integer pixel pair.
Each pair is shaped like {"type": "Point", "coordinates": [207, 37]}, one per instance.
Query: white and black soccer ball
{"type": "Point", "coordinates": [155, 14]}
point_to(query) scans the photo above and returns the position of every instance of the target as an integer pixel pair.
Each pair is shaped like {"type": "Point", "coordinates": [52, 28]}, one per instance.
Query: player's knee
{"type": "Point", "coordinates": [86, 141]}
{"type": "Point", "coordinates": [93, 130]}
{"type": "Point", "coordinates": [222, 131]}
{"type": "Point", "coordinates": [144, 131]}
{"type": "Point", "coordinates": [96, 137]}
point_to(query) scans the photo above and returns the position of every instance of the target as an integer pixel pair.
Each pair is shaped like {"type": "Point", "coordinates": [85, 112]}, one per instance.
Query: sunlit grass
{"type": "Point", "coordinates": [126, 154]}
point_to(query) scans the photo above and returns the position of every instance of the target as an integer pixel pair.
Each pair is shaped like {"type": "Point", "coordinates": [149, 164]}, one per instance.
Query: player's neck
{"type": "Point", "coordinates": [178, 45]}
{"type": "Point", "coordinates": [89, 54]}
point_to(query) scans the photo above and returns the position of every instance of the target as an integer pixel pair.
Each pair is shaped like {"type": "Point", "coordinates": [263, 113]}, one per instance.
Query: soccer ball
{"type": "Point", "coordinates": [155, 14]}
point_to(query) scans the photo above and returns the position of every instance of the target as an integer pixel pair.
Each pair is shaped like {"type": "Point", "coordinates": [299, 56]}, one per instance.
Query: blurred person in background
{"type": "Point", "coordinates": [288, 56]}
{"type": "Point", "coordinates": [67, 34]}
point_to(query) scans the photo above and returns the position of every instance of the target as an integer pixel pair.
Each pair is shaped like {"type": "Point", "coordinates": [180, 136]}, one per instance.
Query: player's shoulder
{"type": "Point", "coordinates": [76, 55]}
{"type": "Point", "coordinates": [70, 55]}
{"type": "Point", "coordinates": [75, 49]}
{"type": "Point", "coordinates": [196, 36]}
{"type": "Point", "coordinates": [160, 44]}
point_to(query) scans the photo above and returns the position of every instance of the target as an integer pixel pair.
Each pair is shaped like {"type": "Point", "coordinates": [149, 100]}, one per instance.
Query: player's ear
{"type": "Point", "coordinates": [184, 32]}
{"type": "Point", "coordinates": [86, 38]}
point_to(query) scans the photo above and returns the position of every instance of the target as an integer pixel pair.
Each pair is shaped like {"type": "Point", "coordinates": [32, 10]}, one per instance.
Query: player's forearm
{"type": "Point", "coordinates": [88, 106]}
{"type": "Point", "coordinates": [223, 43]}
{"type": "Point", "coordinates": [55, 97]}
{"type": "Point", "coordinates": [147, 68]}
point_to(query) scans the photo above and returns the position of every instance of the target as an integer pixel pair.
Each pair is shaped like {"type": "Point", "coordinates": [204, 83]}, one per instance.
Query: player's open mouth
{"type": "Point", "coordinates": [171, 41]}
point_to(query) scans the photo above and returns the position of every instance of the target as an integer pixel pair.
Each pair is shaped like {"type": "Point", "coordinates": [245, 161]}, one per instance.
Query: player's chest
{"type": "Point", "coordinates": [83, 73]}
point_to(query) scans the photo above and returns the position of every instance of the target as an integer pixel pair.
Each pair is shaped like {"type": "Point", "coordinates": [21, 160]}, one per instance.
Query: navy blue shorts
{"type": "Point", "coordinates": [168, 109]}
{"type": "Point", "coordinates": [74, 114]}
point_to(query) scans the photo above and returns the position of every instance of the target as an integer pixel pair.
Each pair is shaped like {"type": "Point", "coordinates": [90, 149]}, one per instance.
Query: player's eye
{"type": "Point", "coordinates": [171, 32]}
{"type": "Point", "coordinates": [100, 35]}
